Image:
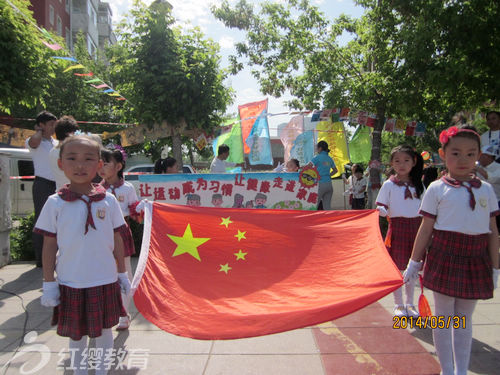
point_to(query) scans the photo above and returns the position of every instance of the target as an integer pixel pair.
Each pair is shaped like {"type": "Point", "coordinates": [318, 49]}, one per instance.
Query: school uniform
{"type": "Point", "coordinates": [127, 199]}
{"type": "Point", "coordinates": [86, 268]}
{"type": "Point", "coordinates": [402, 205]}
{"type": "Point", "coordinates": [358, 190]}
{"type": "Point", "coordinates": [458, 262]}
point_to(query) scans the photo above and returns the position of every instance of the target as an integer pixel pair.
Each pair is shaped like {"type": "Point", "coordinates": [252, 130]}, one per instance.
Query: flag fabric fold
{"type": "Point", "coordinates": [233, 139]}
{"type": "Point", "coordinates": [360, 145]}
{"type": "Point", "coordinates": [259, 142]}
{"type": "Point", "coordinates": [289, 134]}
{"type": "Point", "coordinates": [210, 273]}
{"type": "Point", "coordinates": [249, 113]}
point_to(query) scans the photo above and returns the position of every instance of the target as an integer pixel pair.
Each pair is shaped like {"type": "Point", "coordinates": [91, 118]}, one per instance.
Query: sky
{"type": "Point", "coordinates": [197, 13]}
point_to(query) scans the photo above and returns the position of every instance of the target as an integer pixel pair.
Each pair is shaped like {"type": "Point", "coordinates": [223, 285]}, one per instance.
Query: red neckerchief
{"type": "Point", "coordinates": [112, 187]}
{"type": "Point", "coordinates": [473, 183]}
{"type": "Point", "coordinates": [407, 185]}
{"type": "Point", "coordinates": [97, 194]}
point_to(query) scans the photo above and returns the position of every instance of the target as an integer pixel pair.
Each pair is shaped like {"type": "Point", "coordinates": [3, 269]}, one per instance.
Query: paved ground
{"type": "Point", "coordinates": [362, 343]}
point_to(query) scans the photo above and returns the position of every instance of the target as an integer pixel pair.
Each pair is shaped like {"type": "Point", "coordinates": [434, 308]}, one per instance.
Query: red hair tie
{"type": "Point", "coordinates": [452, 131]}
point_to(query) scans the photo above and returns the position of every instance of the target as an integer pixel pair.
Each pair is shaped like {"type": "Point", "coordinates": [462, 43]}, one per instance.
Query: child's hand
{"type": "Point", "coordinates": [412, 270]}
{"type": "Point", "coordinates": [124, 282]}
{"type": "Point", "coordinates": [51, 294]}
{"type": "Point", "coordinates": [382, 211]}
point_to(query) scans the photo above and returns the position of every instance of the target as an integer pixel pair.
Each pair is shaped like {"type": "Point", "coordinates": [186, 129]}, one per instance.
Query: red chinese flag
{"type": "Point", "coordinates": [212, 273]}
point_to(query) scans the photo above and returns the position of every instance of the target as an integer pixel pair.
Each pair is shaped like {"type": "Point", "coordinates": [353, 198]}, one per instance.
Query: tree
{"type": "Point", "coordinates": [404, 59]}
{"type": "Point", "coordinates": [172, 78]}
{"type": "Point", "coordinates": [23, 63]}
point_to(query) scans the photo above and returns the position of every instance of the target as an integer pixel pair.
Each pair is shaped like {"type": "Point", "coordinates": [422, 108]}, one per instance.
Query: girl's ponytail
{"type": "Point", "coordinates": [416, 173]}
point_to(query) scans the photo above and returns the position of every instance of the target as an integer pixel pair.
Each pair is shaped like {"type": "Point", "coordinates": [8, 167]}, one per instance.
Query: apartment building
{"type": "Point", "coordinates": [93, 18]}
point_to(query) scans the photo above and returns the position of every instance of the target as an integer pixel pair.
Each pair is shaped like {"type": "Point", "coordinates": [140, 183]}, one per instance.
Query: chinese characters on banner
{"type": "Point", "coordinates": [243, 190]}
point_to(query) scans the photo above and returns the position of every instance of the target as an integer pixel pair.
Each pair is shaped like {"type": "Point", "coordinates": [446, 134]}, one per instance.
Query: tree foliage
{"type": "Point", "coordinates": [24, 71]}
{"type": "Point", "coordinates": [172, 77]}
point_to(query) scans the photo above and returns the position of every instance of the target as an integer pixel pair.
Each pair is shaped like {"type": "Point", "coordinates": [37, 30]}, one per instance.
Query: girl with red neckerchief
{"type": "Point", "coordinates": [399, 198]}
{"type": "Point", "coordinates": [462, 261]}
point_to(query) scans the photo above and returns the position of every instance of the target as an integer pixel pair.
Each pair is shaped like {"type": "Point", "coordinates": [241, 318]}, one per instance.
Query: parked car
{"type": "Point", "coordinates": [20, 166]}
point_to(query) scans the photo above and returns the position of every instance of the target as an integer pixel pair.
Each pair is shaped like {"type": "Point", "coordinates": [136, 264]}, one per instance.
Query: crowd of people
{"type": "Point", "coordinates": [82, 233]}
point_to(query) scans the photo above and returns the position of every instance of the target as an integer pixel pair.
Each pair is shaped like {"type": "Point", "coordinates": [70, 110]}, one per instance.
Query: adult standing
{"type": "Point", "coordinates": [44, 185]}
{"type": "Point", "coordinates": [326, 168]}
{"type": "Point", "coordinates": [492, 136]}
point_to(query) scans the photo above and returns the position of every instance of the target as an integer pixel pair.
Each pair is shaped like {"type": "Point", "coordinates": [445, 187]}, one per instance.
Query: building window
{"type": "Point", "coordinates": [67, 6]}
{"type": "Point", "coordinates": [91, 47]}
{"type": "Point", "coordinates": [51, 15]}
{"type": "Point", "coordinates": [59, 25]}
{"type": "Point", "coordinates": [92, 13]}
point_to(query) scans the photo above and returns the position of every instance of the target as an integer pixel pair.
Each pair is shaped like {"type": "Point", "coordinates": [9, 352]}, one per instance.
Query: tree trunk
{"type": "Point", "coordinates": [176, 149]}
{"type": "Point", "coordinates": [377, 146]}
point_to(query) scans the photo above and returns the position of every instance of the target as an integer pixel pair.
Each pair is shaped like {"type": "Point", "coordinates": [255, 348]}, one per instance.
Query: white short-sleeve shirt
{"type": "Point", "coordinates": [59, 175]}
{"type": "Point", "coordinates": [357, 186]}
{"type": "Point", "coordinates": [83, 260]}
{"type": "Point", "coordinates": [125, 195]}
{"type": "Point", "coordinates": [40, 156]}
{"type": "Point", "coordinates": [392, 197]}
{"type": "Point", "coordinates": [450, 207]}
{"type": "Point", "coordinates": [219, 166]}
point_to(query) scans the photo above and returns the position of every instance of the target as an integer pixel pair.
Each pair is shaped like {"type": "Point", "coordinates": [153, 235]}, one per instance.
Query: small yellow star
{"type": "Point", "coordinates": [225, 268]}
{"type": "Point", "coordinates": [226, 221]}
{"type": "Point", "coordinates": [240, 255]}
{"type": "Point", "coordinates": [240, 235]}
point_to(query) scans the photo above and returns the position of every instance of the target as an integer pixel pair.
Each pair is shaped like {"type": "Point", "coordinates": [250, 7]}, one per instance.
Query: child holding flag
{"type": "Point", "coordinates": [399, 198]}
{"type": "Point", "coordinates": [462, 262]}
{"type": "Point", "coordinates": [81, 227]}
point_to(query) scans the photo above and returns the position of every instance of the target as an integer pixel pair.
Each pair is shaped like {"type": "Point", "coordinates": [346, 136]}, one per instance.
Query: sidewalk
{"type": "Point", "coordinates": [362, 343]}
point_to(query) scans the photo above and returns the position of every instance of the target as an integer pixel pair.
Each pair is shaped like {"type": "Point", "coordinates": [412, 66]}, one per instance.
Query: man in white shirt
{"type": "Point", "coordinates": [219, 164]}
{"type": "Point", "coordinates": [44, 185]}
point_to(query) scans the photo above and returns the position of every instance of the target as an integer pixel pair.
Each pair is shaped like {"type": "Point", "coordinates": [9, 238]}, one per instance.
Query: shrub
{"type": "Point", "coordinates": [21, 246]}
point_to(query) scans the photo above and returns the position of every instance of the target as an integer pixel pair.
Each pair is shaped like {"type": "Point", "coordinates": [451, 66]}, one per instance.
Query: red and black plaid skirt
{"type": "Point", "coordinates": [400, 237]}
{"type": "Point", "coordinates": [87, 311]}
{"type": "Point", "coordinates": [459, 265]}
{"type": "Point", "coordinates": [128, 241]}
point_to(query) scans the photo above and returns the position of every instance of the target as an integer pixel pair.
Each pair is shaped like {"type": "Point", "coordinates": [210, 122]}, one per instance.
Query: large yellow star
{"type": "Point", "coordinates": [226, 221]}
{"type": "Point", "coordinates": [225, 268]}
{"type": "Point", "coordinates": [240, 235]}
{"type": "Point", "coordinates": [240, 255]}
{"type": "Point", "coordinates": [187, 243]}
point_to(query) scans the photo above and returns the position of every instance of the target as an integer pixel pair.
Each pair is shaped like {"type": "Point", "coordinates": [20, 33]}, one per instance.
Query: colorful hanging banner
{"type": "Point", "coordinates": [53, 47]}
{"type": "Point", "coordinates": [64, 58]}
{"type": "Point", "coordinates": [77, 66]}
{"type": "Point", "coordinates": [420, 130]}
{"type": "Point", "coordinates": [400, 126]}
{"type": "Point", "coordinates": [212, 274]}
{"type": "Point", "coordinates": [89, 74]}
{"type": "Point", "coordinates": [360, 146]}
{"type": "Point", "coordinates": [303, 148]}
{"type": "Point", "coordinates": [259, 142]}
{"type": "Point", "coordinates": [233, 139]}
{"type": "Point", "coordinates": [410, 128]}
{"type": "Point", "coordinates": [390, 124]}
{"type": "Point", "coordinates": [248, 114]}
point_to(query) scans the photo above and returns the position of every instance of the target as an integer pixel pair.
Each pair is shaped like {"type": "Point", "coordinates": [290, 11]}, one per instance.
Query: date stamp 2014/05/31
{"type": "Point", "coordinates": [403, 322]}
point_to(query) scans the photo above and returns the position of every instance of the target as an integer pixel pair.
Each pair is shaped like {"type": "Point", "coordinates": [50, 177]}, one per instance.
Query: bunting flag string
{"type": "Point", "coordinates": [89, 74]}
{"type": "Point", "coordinates": [77, 66]}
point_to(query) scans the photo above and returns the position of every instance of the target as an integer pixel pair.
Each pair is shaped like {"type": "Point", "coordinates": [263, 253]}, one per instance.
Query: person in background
{"type": "Point", "coordinates": [65, 127]}
{"type": "Point", "coordinates": [326, 168]}
{"type": "Point", "coordinates": [492, 136]}
{"type": "Point", "coordinates": [219, 163]}
{"type": "Point", "coordinates": [292, 165]}
{"type": "Point", "coordinates": [489, 170]}
{"type": "Point", "coordinates": [357, 187]}
{"type": "Point", "coordinates": [40, 144]}
{"type": "Point", "coordinates": [167, 165]}
{"type": "Point", "coordinates": [461, 264]}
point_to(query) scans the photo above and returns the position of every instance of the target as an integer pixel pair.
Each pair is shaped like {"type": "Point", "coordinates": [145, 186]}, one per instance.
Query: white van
{"type": "Point", "coordinates": [21, 166]}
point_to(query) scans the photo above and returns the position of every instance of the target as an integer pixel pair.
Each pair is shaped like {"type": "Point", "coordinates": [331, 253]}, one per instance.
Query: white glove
{"type": "Point", "coordinates": [411, 271]}
{"type": "Point", "coordinates": [140, 206]}
{"type": "Point", "coordinates": [51, 294]}
{"type": "Point", "coordinates": [124, 282]}
{"type": "Point", "coordinates": [496, 271]}
{"type": "Point", "coordinates": [382, 211]}
{"type": "Point", "coordinates": [279, 168]}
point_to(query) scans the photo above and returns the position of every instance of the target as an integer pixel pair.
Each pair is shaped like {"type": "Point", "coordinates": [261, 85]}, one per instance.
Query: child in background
{"type": "Point", "coordinates": [399, 198]}
{"type": "Point", "coordinates": [462, 262]}
{"type": "Point", "coordinates": [65, 127]}
{"type": "Point", "coordinates": [357, 187]}
{"type": "Point", "coordinates": [112, 180]}
{"type": "Point", "coordinates": [80, 225]}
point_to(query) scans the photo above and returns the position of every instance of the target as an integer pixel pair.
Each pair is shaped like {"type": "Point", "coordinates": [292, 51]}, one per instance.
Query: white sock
{"type": "Point", "coordinates": [462, 337]}
{"type": "Point", "coordinates": [76, 349]}
{"type": "Point", "coordinates": [444, 306]}
{"type": "Point", "coordinates": [104, 342]}
{"type": "Point", "coordinates": [410, 291]}
{"type": "Point", "coordinates": [398, 296]}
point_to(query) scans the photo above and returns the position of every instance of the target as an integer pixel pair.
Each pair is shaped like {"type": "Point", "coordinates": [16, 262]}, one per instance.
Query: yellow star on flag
{"type": "Point", "coordinates": [240, 255]}
{"type": "Point", "coordinates": [240, 235]}
{"type": "Point", "coordinates": [226, 221]}
{"type": "Point", "coordinates": [187, 243]}
{"type": "Point", "coordinates": [225, 268]}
